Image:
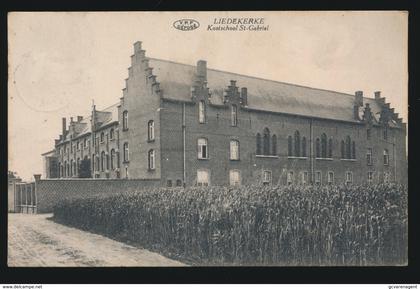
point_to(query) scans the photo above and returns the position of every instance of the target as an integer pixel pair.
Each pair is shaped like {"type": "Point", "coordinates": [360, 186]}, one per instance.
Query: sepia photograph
{"type": "Point", "coordinates": [168, 139]}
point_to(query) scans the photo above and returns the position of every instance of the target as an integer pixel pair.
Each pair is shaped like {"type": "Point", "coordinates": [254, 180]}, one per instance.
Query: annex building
{"type": "Point", "coordinates": [191, 125]}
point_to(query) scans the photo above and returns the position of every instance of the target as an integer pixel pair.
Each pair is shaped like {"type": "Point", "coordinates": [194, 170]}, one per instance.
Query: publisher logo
{"type": "Point", "coordinates": [186, 24]}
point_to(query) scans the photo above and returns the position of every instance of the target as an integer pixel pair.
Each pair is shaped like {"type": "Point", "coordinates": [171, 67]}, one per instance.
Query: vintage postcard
{"type": "Point", "coordinates": [207, 139]}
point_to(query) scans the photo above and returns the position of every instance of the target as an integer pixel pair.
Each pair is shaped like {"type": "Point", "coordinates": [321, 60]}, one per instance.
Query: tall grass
{"type": "Point", "coordinates": [331, 225]}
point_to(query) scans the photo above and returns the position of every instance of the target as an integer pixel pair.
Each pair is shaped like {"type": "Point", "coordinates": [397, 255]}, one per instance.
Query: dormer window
{"type": "Point", "coordinates": [201, 111]}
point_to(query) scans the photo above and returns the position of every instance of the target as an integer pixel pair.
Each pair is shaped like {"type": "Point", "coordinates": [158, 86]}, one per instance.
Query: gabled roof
{"type": "Point", "coordinates": [175, 80]}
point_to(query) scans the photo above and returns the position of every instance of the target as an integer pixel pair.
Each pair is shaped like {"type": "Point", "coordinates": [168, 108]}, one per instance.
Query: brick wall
{"type": "Point", "coordinates": [50, 192]}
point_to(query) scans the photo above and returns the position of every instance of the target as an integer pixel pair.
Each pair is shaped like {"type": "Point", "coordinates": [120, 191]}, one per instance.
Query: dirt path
{"type": "Point", "coordinates": [36, 241]}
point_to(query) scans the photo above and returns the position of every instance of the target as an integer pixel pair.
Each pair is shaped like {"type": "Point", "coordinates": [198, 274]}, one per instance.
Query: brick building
{"type": "Point", "coordinates": [183, 124]}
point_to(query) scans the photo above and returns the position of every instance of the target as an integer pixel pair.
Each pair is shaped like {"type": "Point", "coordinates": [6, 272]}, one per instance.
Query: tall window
{"type": "Point", "coordinates": [126, 152]}
{"type": "Point", "coordinates": [151, 159]}
{"type": "Point", "coordinates": [324, 145]}
{"type": "Point", "coordinates": [370, 177]}
{"type": "Point", "coordinates": [368, 133]}
{"type": "Point", "coordinates": [202, 148]}
{"type": "Point", "coordinates": [203, 178]}
{"type": "Point", "coordinates": [234, 115]}
{"type": "Point", "coordinates": [103, 161]}
{"type": "Point", "coordinates": [234, 150]}
{"type": "Point", "coordinates": [297, 144]}
{"type": "Point", "coordinates": [125, 120]}
{"type": "Point", "coordinates": [318, 148]}
{"type": "Point", "coordinates": [111, 134]}
{"type": "Point", "coordinates": [330, 147]}
{"type": "Point", "coordinates": [353, 150]}
{"type": "Point", "coordinates": [266, 142]}
{"type": "Point", "coordinates": [304, 178]}
{"type": "Point", "coordinates": [385, 132]}
{"type": "Point", "coordinates": [369, 157]}
{"type": "Point", "coordinates": [71, 168]}
{"type": "Point", "coordinates": [330, 178]}
{"type": "Point", "coordinates": [318, 178]}
{"type": "Point", "coordinates": [77, 166]}
{"type": "Point", "coordinates": [267, 177]}
{"type": "Point", "coordinates": [349, 178]}
{"type": "Point", "coordinates": [151, 130]}
{"type": "Point", "coordinates": [348, 147]}
{"type": "Point", "coordinates": [107, 162]}
{"type": "Point", "coordinates": [386, 157]}
{"type": "Point", "coordinates": [258, 139]}
{"type": "Point", "coordinates": [304, 147]}
{"type": "Point", "coordinates": [201, 111]}
{"type": "Point", "coordinates": [343, 150]}
{"type": "Point", "coordinates": [78, 145]}
{"type": "Point", "coordinates": [290, 178]}
{"type": "Point", "coordinates": [274, 145]}
{"type": "Point", "coordinates": [290, 146]}
{"type": "Point", "coordinates": [113, 159]}
{"type": "Point", "coordinates": [234, 178]}
{"type": "Point", "coordinates": [102, 136]}
{"type": "Point", "coordinates": [98, 163]}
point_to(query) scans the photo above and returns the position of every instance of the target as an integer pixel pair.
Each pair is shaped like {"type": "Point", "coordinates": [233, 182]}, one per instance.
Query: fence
{"type": "Point", "coordinates": [25, 198]}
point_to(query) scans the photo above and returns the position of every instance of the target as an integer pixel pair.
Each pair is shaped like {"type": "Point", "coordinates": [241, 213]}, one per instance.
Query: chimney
{"type": "Point", "coordinates": [202, 70]}
{"type": "Point", "coordinates": [79, 118]}
{"type": "Point", "coordinates": [64, 128]}
{"type": "Point", "coordinates": [377, 94]}
{"type": "Point", "coordinates": [137, 46]}
{"type": "Point", "coordinates": [244, 96]}
{"type": "Point", "coordinates": [71, 120]}
{"type": "Point", "coordinates": [37, 177]}
{"type": "Point", "coordinates": [358, 102]}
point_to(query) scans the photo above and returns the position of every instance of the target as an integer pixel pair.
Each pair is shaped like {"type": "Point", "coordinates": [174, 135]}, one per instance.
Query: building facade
{"type": "Point", "coordinates": [189, 125]}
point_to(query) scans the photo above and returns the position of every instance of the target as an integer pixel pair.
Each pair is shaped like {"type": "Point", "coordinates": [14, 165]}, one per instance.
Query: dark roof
{"type": "Point", "coordinates": [175, 80]}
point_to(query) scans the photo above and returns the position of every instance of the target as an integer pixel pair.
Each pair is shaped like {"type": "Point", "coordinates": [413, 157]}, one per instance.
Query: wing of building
{"type": "Point", "coordinates": [191, 125]}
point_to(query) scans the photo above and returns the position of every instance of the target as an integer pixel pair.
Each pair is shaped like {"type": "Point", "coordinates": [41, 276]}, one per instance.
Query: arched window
{"type": "Point", "coordinates": [290, 146]}
{"type": "Point", "coordinates": [353, 150]}
{"type": "Point", "coordinates": [125, 152]}
{"type": "Point", "coordinates": [202, 148]}
{"type": "Point", "coordinates": [324, 145]}
{"type": "Point", "coordinates": [151, 159]}
{"type": "Point", "coordinates": [258, 138]}
{"type": "Point", "coordinates": [65, 169]}
{"type": "Point", "coordinates": [102, 136]}
{"type": "Point", "coordinates": [77, 166]}
{"type": "Point", "coordinates": [125, 120]}
{"type": "Point", "coordinates": [71, 168]}
{"type": "Point", "coordinates": [234, 115]}
{"type": "Point", "coordinates": [343, 150]}
{"type": "Point", "coordinates": [304, 147]}
{"type": "Point", "coordinates": [103, 161]}
{"type": "Point", "coordinates": [151, 130]}
{"type": "Point", "coordinates": [201, 111]}
{"type": "Point", "coordinates": [318, 148]}
{"type": "Point", "coordinates": [330, 148]}
{"type": "Point", "coordinates": [297, 144]}
{"type": "Point", "coordinates": [266, 142]}
{"type": "Point", "coordinates": [274, 145]}
{"type": "Point", "coordinates": [386, 157]}
{"type": "Point", "coordinates": [111, 134]}
{"type": "Point", "coordinates": [98, 163]}
{"type": "Point", "coordinates": [348, 147]}
{"type": "Point", "coordinates": [234, 150]}
{"type": "Point", "coordinates": [107, 162]}
{"type": "Point", "coordinates": [113, 159]}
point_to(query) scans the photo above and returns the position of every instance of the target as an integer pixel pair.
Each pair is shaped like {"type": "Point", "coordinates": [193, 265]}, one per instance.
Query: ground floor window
{"type": "Point", "coordinates": [349, 178]}
{"type": "Point", "coordinates": [386, 177]}
{"type": "Point", "coordinates": [290, 178]}
{"type": "Point", "coordinates": [178, 183]}
{"type": "Point", "coordinates": [169, 183]}
{"type": "Point", "coordinates": [304, 178]}
{"type": "Point", "coordinates": [235, 178]}
{"type": "Point", "coordinates": [267, 177]}
{"type": "Point", "coordinates": [203, 178]}
{"type": "Point", "coordinates": [370, 177]}
{"type": "Point", "coordinates": [318, 178]}
{"type": "Point", "coordinates": [330, 178]}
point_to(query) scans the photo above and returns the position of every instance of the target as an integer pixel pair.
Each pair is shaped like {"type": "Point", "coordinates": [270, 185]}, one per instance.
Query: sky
{"type": "Point", "coordinates": [59, 62]}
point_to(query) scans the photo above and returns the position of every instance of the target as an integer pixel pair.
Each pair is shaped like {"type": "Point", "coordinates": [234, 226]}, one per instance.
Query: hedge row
{"type": "Point", "coordinates": [331, 225]}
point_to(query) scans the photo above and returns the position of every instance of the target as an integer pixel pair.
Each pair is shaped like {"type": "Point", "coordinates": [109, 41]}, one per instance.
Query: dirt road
{"type": "Point", "coordinates": [36, 241]}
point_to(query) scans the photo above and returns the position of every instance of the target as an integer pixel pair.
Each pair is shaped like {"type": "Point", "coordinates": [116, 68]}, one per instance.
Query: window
{"type": "Point", "coordinates": [274, 145]}
{"type": "Point", "coordinates": [318, 178]}
{"type": "Point", "coordinates": [178, 183]}
{"type": "Point", "coordinates": [71, 168]}
{"type": "Point", "coordinates": [202, 148]}
{"type": "Point", "coordinates": [235, 178]}
{"type": "Point", "coordinates": [85, 143]}
{"type": "Point", "coordinates": [151, 159]}
{"type": "Point", "coordinates": [234, 115]}
{"type": "Point", "coordinates": [125, 120]}
{"type": "Point", "coordinates": [111, 134]}
{"type": "Point", "coordinates": [303, 147]}
{"type": "Point", "coordinates": [349, 178]}
{"type": "Point", "coordinates": [370, 177]}
{"type": "Point", "coordinates": [126, 152]}
{"type": "Point", "coordinates": [234, 150]}
{"type": "Point", "coordinates": [290, 178]}
{"type": "Point", "coordinates": [297, 144]}
{"type": "Point", "coordinates": [289, 146]}
{"type": "Point", "coordinates": [102, 137]}
{"type": "Point", "coordinates": [304, 178]}
{"type": "Point", "coordinates": [98, 163]}
{"type": "Point", "coordinates": [385, 132]}
{"type": "Point", "coordinates": [151, 130]}
{"type": "Point", "coordinates": [102, 161]}
{"type": "Point", "coordinates": [386, 157]}
{"type": "Point", "coordinates": [107, 161]}
{"type": "Point", "coordinates": [78, 145]}
{"type": "Point", "coordinates": [266, 142]}
{"type": "Point", "coordinates": [343, 154]}
{"type": "Point", "coordinates": [324, 145]}
{"type": "Point", "coordinates": [169, 183]}
{"type": "Point", "coordinates": [201, 111]}
{"type": "Point", "coordinates": [112, 159]}
{"type": "Point", "coordinates": [126, 172]}
{"type": "Point", "coordinates": [353, 150]}
{"type": "Point", "coordinates": [348, 147]}
{"type": "Point", "coordinates": [258, 138]}
{"type": "Point", "coordinates": [330, 148]}
{"type": "Point", "coordinates": [318, 148]}
{"type": "Point", "coordinates": [386, 177]}
{"type": "Point", "coordinates": [368, 133]}
{"type": "Point", "coordinates": [369, 157]}
{"type": "Point", "coordinates": [203, 178]}
{"type": "Point", "coordinates": [77, 166]}
{"type": "Point", "coordinates": [330, 178]}
{"type": "Point", "coordinates": [267, 177]}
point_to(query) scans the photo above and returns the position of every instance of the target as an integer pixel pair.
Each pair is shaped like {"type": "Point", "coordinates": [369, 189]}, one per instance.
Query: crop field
{"type": "Point", "coordinates": [269, 226]}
